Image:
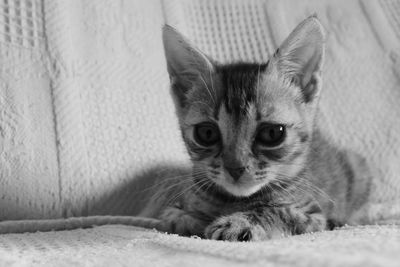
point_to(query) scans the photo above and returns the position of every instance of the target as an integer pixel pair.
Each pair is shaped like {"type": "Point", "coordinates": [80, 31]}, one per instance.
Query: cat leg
{"type": "Point", "coordinates": [305, 217]}
{"type": "Point", "coordinates": [175, 220]}
{"type": "Point", "coordinates": [265, 223]}
{"type": "Point", "coordinates": [242, 226]}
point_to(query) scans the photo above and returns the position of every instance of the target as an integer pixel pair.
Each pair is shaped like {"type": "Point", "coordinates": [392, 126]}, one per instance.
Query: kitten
{"type": "Point", "coordinates": [261, 167]}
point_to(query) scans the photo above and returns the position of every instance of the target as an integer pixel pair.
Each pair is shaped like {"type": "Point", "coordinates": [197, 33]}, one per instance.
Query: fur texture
{"type": "Point", "coordinates": [261, 168]}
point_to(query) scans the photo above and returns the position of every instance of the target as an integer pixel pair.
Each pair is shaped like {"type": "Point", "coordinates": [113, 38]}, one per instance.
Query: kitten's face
{"type": "Point", "coordinates": [245, 125]}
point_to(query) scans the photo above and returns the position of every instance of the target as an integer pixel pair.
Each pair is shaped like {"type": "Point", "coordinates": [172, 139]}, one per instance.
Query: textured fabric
{"type": "Point", "coordinates": [45, 225]}
{"type": "Point", "coordinates": [28, 151]}
{"type": "Point", "coordinates": [85, 104]}
{"type": "Point", "coordinates": [85, 107]}
{"type": "Point", "coordinates": [129, 246]}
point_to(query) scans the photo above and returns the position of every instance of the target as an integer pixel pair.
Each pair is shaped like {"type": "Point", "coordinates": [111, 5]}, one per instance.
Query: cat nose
{"type": "Point", "coordinates": [236, 172]}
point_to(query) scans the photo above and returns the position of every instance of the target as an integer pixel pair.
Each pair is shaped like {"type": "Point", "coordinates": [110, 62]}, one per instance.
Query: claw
{"type": "Point", "coordinates": [245, 235]}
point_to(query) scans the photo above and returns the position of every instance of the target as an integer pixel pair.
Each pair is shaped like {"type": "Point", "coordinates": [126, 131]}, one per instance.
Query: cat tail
{"type": "Point", "coordinates": [31, 226]}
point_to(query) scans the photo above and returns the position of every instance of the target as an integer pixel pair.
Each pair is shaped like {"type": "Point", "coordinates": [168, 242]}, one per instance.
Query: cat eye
{"type": "Point", "coordinates": [271, 135]}
{"type": "Point", "coordinates": [206, 134]}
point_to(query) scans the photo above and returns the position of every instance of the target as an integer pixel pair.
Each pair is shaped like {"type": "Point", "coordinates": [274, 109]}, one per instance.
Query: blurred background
{"type": "Point", "coordinates": [86, 115]}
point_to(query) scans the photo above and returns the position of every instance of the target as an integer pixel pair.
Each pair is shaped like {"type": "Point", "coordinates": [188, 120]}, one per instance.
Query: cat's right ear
{"type": "Point", "coordinates": [185, 63]}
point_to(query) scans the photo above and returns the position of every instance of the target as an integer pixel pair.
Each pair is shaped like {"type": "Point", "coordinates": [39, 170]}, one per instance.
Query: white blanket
{"type": "Point", "coordinates": [85, 109]}
{"type": "Point", "coordinates": [129, 246]}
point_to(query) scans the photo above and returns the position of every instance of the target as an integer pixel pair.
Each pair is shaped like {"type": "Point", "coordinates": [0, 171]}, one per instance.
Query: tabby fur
{"type": "Point", "coordinates": [239, 190]}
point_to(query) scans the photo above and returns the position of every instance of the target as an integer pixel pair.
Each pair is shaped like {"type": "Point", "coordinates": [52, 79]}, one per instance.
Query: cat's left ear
{"type": "Point", "coordinates": [301, 55]}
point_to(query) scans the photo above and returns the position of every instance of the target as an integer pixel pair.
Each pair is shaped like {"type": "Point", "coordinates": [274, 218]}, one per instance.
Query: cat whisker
{"type": "Point", "coordinates": [286, 191]}
{"type": "Point", "coordinates": [305, 185]}
{"type": "Point", "coordinates": [165, 180]}
{"type": "Point", "coordinates": [177, 196]}
{"type": "Point", "coordinates": [301, 184]}
{"type": "Point", "coordinates": [168, 187]}
{"type": "Point", "coordinates": [207, 183]}
{"type": "Point", "coordinates": [273, 186]}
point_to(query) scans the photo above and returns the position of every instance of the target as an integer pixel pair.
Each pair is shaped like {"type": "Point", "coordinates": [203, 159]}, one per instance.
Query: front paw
{"type": "Point", "coordinates": [177, 221]}
{"type": "Point", "coordinates": [235, 227]}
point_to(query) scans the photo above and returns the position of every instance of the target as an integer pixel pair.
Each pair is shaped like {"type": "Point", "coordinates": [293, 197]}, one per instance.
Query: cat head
{"type": "Point", "coordinates": [246, 125]}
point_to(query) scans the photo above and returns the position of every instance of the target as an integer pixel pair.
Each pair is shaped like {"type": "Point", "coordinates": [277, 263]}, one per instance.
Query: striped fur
{"type": "Point", "coordinates": [242, 189]}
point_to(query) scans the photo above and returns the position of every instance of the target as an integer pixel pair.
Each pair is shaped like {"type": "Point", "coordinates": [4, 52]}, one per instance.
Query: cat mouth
{"type": "Point", "coordinates": [240, 188]}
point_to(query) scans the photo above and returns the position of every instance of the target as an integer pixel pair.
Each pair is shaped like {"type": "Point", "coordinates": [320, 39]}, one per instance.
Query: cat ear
{"type": "Point", "coordinates": [185, 62]}
{"type": "Point", "coordinates": [301, 55]}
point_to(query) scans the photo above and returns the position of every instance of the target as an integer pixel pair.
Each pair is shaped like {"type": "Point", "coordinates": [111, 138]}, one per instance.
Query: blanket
{"type": "Point", "coordinates": [85, 111]}
{"type": "Point", "coordinates": [117, 245]}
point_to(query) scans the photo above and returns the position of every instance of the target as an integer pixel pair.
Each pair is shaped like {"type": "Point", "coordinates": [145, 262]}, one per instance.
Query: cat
{"type": "Point", "coordinates": [261, 167]}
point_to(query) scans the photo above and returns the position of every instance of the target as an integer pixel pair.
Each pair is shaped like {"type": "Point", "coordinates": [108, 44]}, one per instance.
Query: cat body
{"type": "Point", "coordinates": [261, 167]}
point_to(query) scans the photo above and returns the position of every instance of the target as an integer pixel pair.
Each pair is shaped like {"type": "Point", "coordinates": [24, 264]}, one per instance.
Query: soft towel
{"type": "Point", "coordinates": [129, 246]}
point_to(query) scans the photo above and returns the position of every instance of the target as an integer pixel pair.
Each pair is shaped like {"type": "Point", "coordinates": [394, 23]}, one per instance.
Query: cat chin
{"type": "Point", "coordinates": [240, 190]}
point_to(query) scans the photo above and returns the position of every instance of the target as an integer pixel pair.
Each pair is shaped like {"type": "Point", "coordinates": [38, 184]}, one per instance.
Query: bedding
{"type": "Point", "coordinates": [118, 245]}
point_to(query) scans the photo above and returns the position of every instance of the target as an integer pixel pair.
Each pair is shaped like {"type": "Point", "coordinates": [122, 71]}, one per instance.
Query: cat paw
{"type": "Point", "coordinates": [235, 227]}
{"type": "Point", "coordinates": [177, 221]}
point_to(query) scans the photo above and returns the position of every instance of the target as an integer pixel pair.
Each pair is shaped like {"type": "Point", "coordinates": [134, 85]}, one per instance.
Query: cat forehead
{"type": "Point", "coordinates": [240, 84]}
{"type": "Point", "coordinates": [242, 87]}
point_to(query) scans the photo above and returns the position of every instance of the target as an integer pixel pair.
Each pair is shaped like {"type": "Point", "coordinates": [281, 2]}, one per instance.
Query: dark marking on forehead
{"type": "Point", "coordinates": [239, 83]}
